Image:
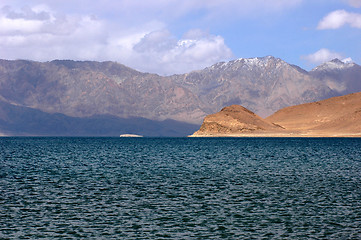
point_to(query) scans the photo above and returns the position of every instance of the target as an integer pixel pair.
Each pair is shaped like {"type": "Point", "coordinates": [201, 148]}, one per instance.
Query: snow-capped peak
{"type": "Point", "coordinates": [256, 60]}
{"type": "Point", "coordinates": [249, 62]}
{"type": "Point", "coordinates": [347, 60]}
{"type": "Point", "coordinates": [335, 64]}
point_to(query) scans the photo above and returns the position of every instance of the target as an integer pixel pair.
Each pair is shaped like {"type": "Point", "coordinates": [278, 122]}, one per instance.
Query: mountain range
{"type": "Point", "coordinates": [81, 91]}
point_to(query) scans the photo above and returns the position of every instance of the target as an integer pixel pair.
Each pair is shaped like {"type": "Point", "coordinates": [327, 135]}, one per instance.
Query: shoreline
{"type": "Point", "coordinates": [283, 135]}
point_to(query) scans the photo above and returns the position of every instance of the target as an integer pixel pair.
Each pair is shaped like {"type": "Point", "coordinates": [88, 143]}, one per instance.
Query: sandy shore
{"type": "Point", "coordinates": [281, 134]}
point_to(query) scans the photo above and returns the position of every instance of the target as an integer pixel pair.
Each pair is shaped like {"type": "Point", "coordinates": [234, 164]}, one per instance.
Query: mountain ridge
{"type": "Point", "coordinates": [87, 88]}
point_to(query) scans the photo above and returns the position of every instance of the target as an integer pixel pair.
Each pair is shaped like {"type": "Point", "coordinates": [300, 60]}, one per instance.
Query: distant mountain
{"type": "Point", "coordinates": [333, 117]}
{"type": "Point", "coordinates": [344, 78]}
{"type": "Point", "coordinates": [82, 89]}
{"type": "Point", "coordinates": [24, 121]}
{"type": "Point", "coordinates": [262, 85]}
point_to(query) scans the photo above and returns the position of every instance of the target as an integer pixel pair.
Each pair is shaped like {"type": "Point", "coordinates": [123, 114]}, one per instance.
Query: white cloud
{"type": "Point", "coordinates": [40, 34]}
{"type": "Point", "coordinates": [131, 32]}
{"type": "Point", "coordinates": [347, 60]}
{"type": "Point", "coordinates": [321, 56]}
{"type": "Point", "coordinates": [161, 51]}
{"type": "Point", "coordinates": [156, 42]}
{"type": "Point", "coordinates": [338, 19]}
{"type": "Point", "coordinates": [355, 3]}
{"type": "Point", "coordinates": [36, 34]}
{"type": "Point", "coordinates": [30, 21]}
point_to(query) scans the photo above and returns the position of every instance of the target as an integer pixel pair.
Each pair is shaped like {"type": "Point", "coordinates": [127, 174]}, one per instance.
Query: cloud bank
{"type": "Point", "coordinates": [135, 33]}
{"type": "Point", "coordinates": [40, 34]}
{"type": "Point", "coordinates": [192, 51]}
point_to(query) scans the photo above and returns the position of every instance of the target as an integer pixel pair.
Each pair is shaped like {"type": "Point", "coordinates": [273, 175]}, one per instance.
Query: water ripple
{"type": "Point", "coordinates": [160, 188]}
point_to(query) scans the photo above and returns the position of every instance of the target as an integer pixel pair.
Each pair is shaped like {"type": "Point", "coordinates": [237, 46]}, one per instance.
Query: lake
{"type": "Point", "coordinates": [180, 188]}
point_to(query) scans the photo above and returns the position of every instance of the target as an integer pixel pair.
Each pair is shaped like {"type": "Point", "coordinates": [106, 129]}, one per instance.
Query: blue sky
{"type": "Point", "coordinates": [172, 36]}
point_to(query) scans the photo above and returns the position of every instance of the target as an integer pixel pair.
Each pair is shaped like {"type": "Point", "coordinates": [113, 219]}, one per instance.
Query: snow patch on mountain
{"type": "Point", "coordinates": [249, 63]}
{"type": "Point", "coordinates": [335, 64]}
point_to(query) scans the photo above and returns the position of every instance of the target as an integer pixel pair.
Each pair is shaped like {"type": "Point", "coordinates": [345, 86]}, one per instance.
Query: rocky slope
{"type": "Point", "coordinates": [234, 119]}
{"type": "Point", "coordinates": [262, 85]}
{"type": "Point", "coordinates": [334, 115]}
{"type": "Point", "coordinates": [337, 116]}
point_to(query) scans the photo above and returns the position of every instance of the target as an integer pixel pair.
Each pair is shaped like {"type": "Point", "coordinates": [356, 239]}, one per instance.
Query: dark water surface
{"type": "Point", "coordinates": [180, 188]}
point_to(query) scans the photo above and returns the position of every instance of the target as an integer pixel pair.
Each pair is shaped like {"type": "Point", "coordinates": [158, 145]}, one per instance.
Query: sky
{"type": "Point", "coordinates": [178, 36]}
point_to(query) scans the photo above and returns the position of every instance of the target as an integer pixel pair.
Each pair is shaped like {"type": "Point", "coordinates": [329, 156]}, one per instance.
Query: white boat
{"type": "Point", "coordinates": [130, 135]}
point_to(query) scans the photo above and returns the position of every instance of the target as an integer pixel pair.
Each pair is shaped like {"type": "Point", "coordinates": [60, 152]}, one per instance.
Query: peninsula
{"type": "Point", "coordinates": [333, 117]}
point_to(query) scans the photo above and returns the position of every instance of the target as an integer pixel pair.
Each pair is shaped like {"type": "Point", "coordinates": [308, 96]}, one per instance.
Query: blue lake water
{"type": "Point", "coordinates": [180, 188]}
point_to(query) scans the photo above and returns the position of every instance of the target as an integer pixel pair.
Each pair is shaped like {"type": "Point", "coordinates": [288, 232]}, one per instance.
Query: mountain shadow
{"type": "Point", "coordinates": [24, 121]}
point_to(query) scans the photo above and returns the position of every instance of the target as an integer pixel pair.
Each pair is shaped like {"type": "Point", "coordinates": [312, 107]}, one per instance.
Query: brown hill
{"type": "Point", "coordinates": [234, 119]}
{"type": "Point", "coordinates": [333, 117]}
{"type": "Point", "coordinates": [350, 123]}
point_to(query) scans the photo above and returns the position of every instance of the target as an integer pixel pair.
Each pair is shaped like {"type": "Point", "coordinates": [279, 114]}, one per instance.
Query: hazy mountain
{"type": "Point", "coordinates": [81, 89]}
{"type": "Point", "coordinates": [343, 77]}
{"type": "Point", "coordinates": [24, 121]}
